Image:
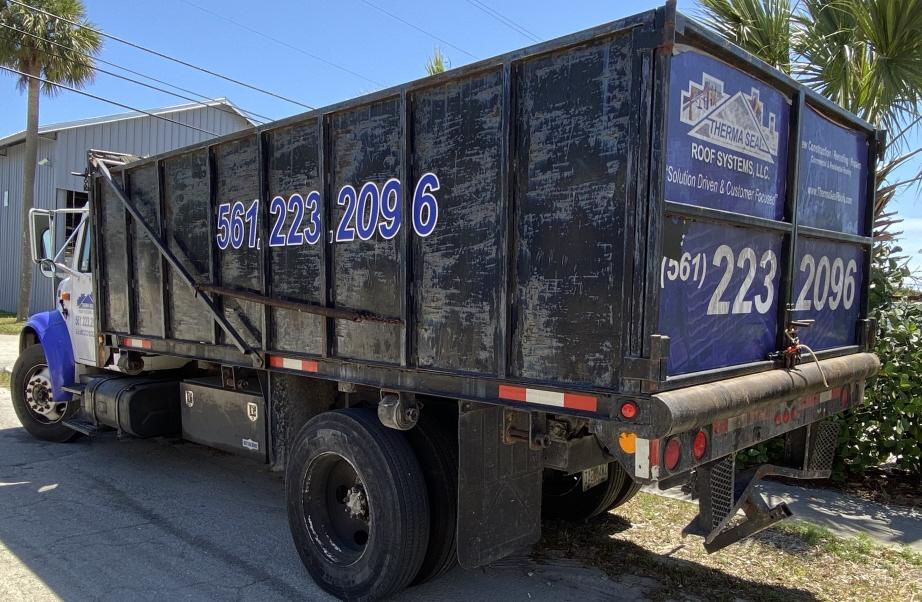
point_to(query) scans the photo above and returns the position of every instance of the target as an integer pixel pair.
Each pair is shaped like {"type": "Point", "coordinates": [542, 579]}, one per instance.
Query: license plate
{"type": "Point", "coordinates": [595, 475]}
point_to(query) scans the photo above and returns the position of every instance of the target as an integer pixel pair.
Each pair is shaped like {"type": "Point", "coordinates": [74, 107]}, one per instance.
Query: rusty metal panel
{"type": "Point", "coordinates": [186, 201]}
{"type": "Point", "coordinates": [367, 274]}
{"type": "Point", "coordinates": [574, 109]}
{"type": "Point", "coordinates": [115, 258]}
{"type": "Point", "coordinates": [235, 174]}
{"type": "Point", "coordinates": [458, 134]}
{"type": "Point", "coordinates": [294, 167]}
{"type": "Point", "coordinates": [143, 188]}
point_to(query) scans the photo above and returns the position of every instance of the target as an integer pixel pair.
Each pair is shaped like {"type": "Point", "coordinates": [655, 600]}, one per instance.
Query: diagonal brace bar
{"type": "Point", "coordinates": [239, 342]}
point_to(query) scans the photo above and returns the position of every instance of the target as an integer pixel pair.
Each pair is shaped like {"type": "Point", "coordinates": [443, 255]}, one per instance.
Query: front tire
{"type": "Point", "coordinates": [357, 505]}
{"type": "Point", "coordinates": [30, 388]}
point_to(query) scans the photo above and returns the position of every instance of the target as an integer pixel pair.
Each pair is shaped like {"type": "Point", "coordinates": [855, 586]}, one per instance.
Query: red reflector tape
{"type": "Point", "coordinates": [573, 401]}
{"type": "Point", "coordinates": [512, 393]}
{"type": "Point", "coordinates": [288, 363]}
{"type": "Point", "coordinates": [139, 343]}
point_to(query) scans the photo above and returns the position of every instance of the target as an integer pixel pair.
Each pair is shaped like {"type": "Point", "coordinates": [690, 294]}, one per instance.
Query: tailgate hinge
{"type": "Point", "coordinates": [651, 371]}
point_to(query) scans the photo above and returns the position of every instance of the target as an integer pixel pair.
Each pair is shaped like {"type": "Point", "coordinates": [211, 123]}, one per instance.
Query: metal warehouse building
{"type": "Point", "coordinates": [62, 150]}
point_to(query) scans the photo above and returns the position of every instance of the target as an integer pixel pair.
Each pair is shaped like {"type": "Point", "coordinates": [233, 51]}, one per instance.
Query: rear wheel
{"type": "Point", "coordinates": [435, 441]}
{"type": "Point", "coordinates": [30, 388]}
{"type": "Point", "coordinates": [628, 491]}
{"type": "Point", "coordinates": [357, 505]}
{"type": "Point", "coordinates": [563, 497]}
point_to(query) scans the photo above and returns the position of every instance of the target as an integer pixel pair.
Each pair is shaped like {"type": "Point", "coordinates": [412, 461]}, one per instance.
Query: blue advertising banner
{"type": "Point", "coordinates": [833, 170]}
{"type": "Point", "coordinates": [828, 284]}
{"type": "Point", "coordinates": [719, 294]}
{"type": "Point", "coordinates": [728, 136]}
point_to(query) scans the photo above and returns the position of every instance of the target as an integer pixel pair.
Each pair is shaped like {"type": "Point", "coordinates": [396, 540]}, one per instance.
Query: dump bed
{"type": "Point", "coordinates": [631, 209]}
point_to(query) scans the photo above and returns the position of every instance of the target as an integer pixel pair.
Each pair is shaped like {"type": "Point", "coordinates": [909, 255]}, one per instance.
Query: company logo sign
{"type": "Point", "coordinates": [85, 300]}
{"type": "Point", "coordinates": [736, 122]}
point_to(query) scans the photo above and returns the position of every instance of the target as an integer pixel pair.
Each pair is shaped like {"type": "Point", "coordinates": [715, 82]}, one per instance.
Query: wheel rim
{"type": "Point", "coordinates": [337, 509]}
{"type": "Point", "coordinates": [38, 396]}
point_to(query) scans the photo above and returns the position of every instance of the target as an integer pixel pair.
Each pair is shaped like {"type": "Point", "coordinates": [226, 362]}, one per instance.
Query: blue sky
{"type": "Point", "coordinates": [350, 33]}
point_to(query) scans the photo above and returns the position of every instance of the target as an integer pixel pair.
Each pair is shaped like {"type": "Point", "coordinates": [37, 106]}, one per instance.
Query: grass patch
{"type": "Point", "coordinates": [4, 379]}
{"type": "Point", "coordinates": [792, 561]}
{"type": "Point", "coordinates": [9, 324]}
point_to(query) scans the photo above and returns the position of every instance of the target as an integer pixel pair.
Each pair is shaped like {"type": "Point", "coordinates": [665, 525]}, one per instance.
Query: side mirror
{"type": "Point", "coordinates": [47, 267]}
{"type": "Point", "coordinates": [41, 230]}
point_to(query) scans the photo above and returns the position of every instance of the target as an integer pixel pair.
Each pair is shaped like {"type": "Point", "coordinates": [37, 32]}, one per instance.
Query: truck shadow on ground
{"type": "Point", "coordinates": [668, 576]}
{"type": "Point", "coordinates": [104, 518]}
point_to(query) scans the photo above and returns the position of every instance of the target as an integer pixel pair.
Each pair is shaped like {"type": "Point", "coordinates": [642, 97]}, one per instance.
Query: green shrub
{"type": "Point", "coordinates": [889, 423]}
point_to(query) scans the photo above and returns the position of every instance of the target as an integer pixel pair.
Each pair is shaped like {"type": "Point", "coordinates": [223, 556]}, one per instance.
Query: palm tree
{"type": "Point", "coordinates": [42, 46]}
{"type": "Point", "coordinates": [865, 55]}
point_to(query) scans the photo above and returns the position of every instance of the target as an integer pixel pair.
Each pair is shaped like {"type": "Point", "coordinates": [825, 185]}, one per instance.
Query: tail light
{"type": "Point", "coordinates": [629, 409]}
{"type": "Point", "coordinates": [672, 453]}
{"type": "Point", "coordinates": [700, 445]}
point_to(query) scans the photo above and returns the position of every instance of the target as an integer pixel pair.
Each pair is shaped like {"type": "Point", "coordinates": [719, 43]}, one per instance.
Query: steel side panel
{"type": "Point", "coordinates": [574, 110]}
{"type": "Point", "coordinates": [143, 190]}
{"type": "Point", "coordinates": [297, 271]}
{"type": "Point", "coordinates": [458, 135]}
{"type": "Point", "coordinates": [187, 207]}
{"type": "Point", "coordinates": [236, 180]}
{"type": "Point", "coordinates": [367, 274]}
{"type": "Point", "coordinates": [115, 258]}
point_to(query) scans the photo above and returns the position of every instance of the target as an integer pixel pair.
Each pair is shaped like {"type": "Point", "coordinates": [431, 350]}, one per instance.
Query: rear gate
{"type": "Point", "coordinates": [767, 221]}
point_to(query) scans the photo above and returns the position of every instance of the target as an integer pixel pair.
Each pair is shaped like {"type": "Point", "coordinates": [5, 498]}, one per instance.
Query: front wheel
{"type": "Point", "coordinates": [357, 505]}
{"type": "Point", "coordinates": [30, 388]}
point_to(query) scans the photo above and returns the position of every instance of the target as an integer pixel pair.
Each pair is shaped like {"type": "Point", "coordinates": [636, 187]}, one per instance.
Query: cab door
{"type": "Point", "coordinates": [75, 295]}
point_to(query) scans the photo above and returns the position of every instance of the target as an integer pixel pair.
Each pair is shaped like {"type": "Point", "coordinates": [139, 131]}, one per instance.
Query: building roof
{"type": "Point", "coordinates": [44, 130]}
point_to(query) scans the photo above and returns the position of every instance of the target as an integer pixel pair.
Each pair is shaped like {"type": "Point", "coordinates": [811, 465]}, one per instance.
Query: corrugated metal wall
{"type": "Point", "coordinates": [140, 136]}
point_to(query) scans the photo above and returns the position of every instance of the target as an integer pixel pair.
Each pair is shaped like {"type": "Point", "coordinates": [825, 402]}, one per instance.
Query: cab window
{"type": "Point", "coordinates": [86, 248]}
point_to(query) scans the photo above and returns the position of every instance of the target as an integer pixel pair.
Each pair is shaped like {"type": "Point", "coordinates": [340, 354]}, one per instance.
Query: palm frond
{"type": "Point", "coordinates": [762, 27]}
{"type": "Point", "coordinates": [56, 50]}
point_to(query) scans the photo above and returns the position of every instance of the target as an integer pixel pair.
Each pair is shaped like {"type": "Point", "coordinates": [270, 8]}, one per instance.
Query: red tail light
{"type": "Point", "coordinates": [672, 453]}
{"type": "Point", "coordinates": [700, 445]}
{"type": "Point", "coordinates": [629, 409]}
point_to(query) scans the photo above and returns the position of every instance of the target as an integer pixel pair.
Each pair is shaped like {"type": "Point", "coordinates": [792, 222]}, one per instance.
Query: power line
{"type": "Point", "coordinates": [504, 20]}
{"type": "Point", "coordinates": [111, 102]}
{"type": "Point", "coordinates": [164, 56]}
{"type": "Point", "coordinates": [218, 104]}
{"type": "Point", "coordinates": [408, 24]}
{"type": "Point", "coordinates": [283, 43]}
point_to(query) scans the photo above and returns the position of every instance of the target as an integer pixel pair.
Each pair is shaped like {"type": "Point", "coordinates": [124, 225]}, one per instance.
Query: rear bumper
{"type": "Point", "coordinates": [700, 406]}
{"type": "Point", "coordinates": [738, 413]}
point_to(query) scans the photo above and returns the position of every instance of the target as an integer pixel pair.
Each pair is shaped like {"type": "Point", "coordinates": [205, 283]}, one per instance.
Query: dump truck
{"type": "Point", "coordinates": [522, 288]}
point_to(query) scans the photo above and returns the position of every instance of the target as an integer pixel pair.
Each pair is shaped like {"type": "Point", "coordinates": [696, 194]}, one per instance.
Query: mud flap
{"type": "Point", "coordinates": [499, 488]}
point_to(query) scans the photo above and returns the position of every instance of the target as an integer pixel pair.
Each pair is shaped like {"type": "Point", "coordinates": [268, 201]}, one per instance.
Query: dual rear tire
{"type": "Point", "coordinates": [563, 497]}
{"type": "Point", "coordinates": [372, 510]}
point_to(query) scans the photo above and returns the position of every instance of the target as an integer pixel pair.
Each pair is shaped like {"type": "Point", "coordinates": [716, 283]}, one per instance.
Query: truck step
{"type": "Point", "coordinates": [75, 388]}
{"type": "Point", "coordinates": [81, 426]}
